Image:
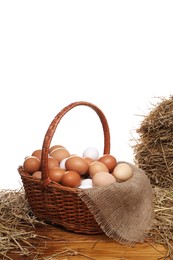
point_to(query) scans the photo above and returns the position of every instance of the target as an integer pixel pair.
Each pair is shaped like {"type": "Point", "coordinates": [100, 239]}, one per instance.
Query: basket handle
{"type": "Point", "coordinates": [51, 130]}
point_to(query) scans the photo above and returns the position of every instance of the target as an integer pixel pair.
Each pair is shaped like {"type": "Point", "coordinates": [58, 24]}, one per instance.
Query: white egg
{"type": "Point", "coordinates": [86, 183]}
{"type": "Point", "coordinates": [62, 163]}
{"type": "Point", "coordinates": [91, 152]}
{"type": "Point", "coordinates": [85, 187]}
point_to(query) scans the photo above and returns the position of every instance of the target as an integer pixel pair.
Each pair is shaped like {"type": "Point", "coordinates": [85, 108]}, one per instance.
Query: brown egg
{"type": "Point", "coordinates": [37, 175]}
{"type": "Point", "coordinates": [89, 160]}
{"type": "Point", "coordinates": [55, 147]}
{"type": "Point", "coordinates": [59, 154]}
{"type": "Point", "coordinates": [102, 179]}
{"type": "Point", "coordinates": [71, 179]}
{"type": "Point", "coordinates": [56, 174]}
{"type": "Point", "coordinates": [109, 160]}
{"type": "Point", "coordinates": [37, 153]}
{"type": "Point", "coordinates": [95, 167]}
{"type": "Point", "coordinates": [76, 163]}
{"type": "Point", "coordinates": [52, 163]}
{"type": "Point", "coordinates": [122, 172]}
{"type": "Point", "coordinates": [31, 164]}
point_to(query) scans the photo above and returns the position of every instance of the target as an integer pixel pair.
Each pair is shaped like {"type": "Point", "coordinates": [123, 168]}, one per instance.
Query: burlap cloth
{"type": "Point", "coordinates": [124, 210]}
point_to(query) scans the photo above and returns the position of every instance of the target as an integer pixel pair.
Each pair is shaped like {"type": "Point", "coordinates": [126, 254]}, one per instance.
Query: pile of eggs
{"type": "Point", "coordinates": [76, 171]}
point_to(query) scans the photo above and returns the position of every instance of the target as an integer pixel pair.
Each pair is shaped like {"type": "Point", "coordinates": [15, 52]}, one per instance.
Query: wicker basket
{"type": "Point", "coordinates": [57, 204]}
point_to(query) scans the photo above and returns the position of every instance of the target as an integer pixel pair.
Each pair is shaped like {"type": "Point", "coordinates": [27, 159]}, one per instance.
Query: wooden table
{"type": "Point", "coordinates": [66, 245]}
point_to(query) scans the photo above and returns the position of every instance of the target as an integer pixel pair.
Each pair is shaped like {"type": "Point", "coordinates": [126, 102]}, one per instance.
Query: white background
{"type": "Point", "coordinates": [115, 54]}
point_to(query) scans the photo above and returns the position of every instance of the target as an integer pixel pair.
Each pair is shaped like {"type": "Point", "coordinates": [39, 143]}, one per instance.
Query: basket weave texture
{"type": "Point", "coordinates": [57, 204]}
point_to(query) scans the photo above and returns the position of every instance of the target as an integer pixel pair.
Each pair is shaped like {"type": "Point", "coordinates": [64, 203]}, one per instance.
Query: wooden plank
{"type": "Point", "coordinates": [79, 246]}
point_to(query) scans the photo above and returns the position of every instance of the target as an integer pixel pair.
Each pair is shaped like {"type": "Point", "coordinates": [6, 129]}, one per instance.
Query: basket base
{"type": "Point", "coordinates": [78, 231]}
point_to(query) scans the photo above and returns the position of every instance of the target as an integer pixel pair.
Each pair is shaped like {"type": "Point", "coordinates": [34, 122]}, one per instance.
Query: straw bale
{"type": "Point", "coordinates": [153, 150]}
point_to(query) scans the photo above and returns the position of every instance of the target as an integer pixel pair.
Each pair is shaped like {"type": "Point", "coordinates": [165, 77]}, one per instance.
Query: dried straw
{"type": "Point", "coordinates": [16, 223]}
{"type": "Point", "coordinates": [162, 231]}
{"type": "Point", "coordinates": [67, 252]}
{"type": "Point", "coordinates": [153, 150]}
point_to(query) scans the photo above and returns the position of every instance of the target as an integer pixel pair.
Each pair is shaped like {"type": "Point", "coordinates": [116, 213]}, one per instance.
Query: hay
{"type": "Point", "coordinates": [162, 231]}
{"type": "Point", "coordinates": [153, 150]}
{"type": "Point", "coordinates": [67, 252]}
{"type": "Point", "coordinates": [16, 223]}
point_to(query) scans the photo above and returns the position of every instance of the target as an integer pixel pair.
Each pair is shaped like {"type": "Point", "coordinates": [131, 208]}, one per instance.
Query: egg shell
{"type": "Point", "coordinates": [55, 147]}
{"type": "Point", "coordinates": [59, 154]}
{"type": "Point", "coordinates": [37, 175]}
{"type": "Point", "coordinates": [122, 172]}
{"type": "Point", "coordinates": [31, 164]}
{"type": "Point", "coordinates": [89, 160]}
{"type": "Point", "coordinates": [56, 174]}
{"type": "Point", "coordinates": [109, 160]}
{"type": "Point", "coordinates": [71, 179]}
{"type": "Point", "coordinates": [37, 153]}
{"type": "Point", "coordinates": [86, 184]}
{"type": "Point", "coordinates": [103, 178]}
{"type": "Point", "coordinates": [52, 163]}
{"type": "Point", "coordinates": [87, 181]}
{"type": "Point", "coordinates": [62, 163]}
{"type": "Point", "coordinates": [91, 152]}
{"type": "Point", "coordinates": [95, 167]}
{"type": "Point", "coordinates": [76, 163]}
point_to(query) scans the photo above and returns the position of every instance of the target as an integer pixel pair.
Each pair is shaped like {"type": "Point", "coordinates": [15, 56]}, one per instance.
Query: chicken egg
{"type": "Point", "coordinates": [37, 175]}
{"type": "Point", "coordinates": [103, 178]}
{"type": "Point", "coordinates": [31, 164]}
{"type": "Point", "coordinates": [95, 167]}
{"type": "Point", "coordinates": [91, 152]}
{"type": "Point", "coordinates": [59, 154]}
{"type": "Point", "coordinates": [122, 172]}
{"type": "Point", "coordinates": [89, 160]}
{"type": "Point", "coordinates": [37, 153]}
{"type": "Point", "coordinates": [109, 160]}
{"type": "Point", "coordinates": [52, 163]}
{"type": "Point", "coordinates": [76, 163]}
{"type": "Point", "coordinates": [56, 174]}
{"type": "Point", "coordinates": [62, 163]}
{"type": "Point", "coordinates": [71, 179]}
{"type": "Point", "coordinates": [55, 147]}
{"type": "Point", "coordinates": [86, 183]}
